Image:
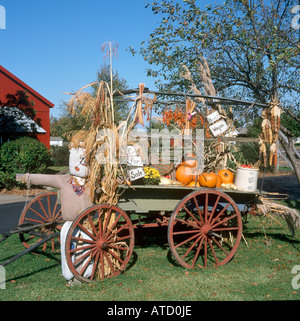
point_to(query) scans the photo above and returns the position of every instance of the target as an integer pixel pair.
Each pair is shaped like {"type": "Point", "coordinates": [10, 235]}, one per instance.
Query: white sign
{"type": "Point", "coordinates": [131, 151]}
{"type": "Point", "coordinates": [213, 117]}
{"type": "Point", "coordinates": [134, 161]}
{"type": "Point", "coordinates": [2, 278]}
{"type": "Point", "coordinates": [218, 128]}
{"type": "Point", "coordinates": [136, 173]}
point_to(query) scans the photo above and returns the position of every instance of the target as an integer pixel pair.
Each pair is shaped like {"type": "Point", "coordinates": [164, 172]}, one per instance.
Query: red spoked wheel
{"type": "Point", "coordinates": [99, 243]}
{"type": "Point", "coordinates": [205, 229]}
{"type": "Point", "coordinates": [43, 210]}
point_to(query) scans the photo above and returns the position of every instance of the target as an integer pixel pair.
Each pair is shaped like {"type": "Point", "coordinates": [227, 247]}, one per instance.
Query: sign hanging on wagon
{"type": "Point", "coordinates": [136, 173]}
{"type": "Point", "coordinates": [218, 127]}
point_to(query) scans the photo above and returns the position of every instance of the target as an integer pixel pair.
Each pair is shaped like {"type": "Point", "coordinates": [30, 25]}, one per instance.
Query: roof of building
{"type": "Point", "coordinates": [14, 120]}
{"type": "Point", "coordinates": [25, 86]}
{"type": "Point", "coordinates": [56, 138]}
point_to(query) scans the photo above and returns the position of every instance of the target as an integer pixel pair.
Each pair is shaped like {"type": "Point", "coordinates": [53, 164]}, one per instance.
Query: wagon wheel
{"type": "Point", "coordinates": [42, 209]}
{"type": "Point", "coordinates": [205, 229]}
{"type": "Point", "coordinates": [99, 243]}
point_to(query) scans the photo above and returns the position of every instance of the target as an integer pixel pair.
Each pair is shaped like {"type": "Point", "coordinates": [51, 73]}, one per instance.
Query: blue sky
{"type": "Point", "coordinates": [55, 46]}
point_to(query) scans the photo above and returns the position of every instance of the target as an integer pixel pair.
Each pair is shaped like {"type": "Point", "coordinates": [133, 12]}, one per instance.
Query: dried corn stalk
{"type": "Point", "coordinates": [217, 154]}
{"type": "Point", "coordinates": [267, 208]}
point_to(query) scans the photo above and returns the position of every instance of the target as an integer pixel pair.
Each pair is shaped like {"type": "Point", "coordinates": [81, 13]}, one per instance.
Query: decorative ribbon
{"type": "Point", "coordinates": [190, 105]}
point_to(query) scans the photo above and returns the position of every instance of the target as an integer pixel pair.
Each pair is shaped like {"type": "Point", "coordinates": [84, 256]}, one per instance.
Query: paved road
{"type": "Point", "coordinates": [282, 184]}
{"type": "Point", "coordinates": [11, 207]}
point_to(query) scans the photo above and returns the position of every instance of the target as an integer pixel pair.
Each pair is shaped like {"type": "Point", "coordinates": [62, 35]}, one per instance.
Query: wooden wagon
{"type": "Point", "coordinates": [204, 227]}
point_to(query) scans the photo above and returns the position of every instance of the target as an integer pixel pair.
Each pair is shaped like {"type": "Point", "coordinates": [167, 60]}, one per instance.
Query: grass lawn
{"type": "Point", "coordinates": [261, 270]}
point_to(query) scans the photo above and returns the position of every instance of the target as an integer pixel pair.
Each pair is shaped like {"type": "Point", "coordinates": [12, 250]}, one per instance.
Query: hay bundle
{"type": "Point", "coordinates": [103, 164]}
{"type": "Point", "coordinates": [291, 216]}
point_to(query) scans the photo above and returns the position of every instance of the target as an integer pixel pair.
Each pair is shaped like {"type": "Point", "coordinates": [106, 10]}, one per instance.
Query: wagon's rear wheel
{"type": "Point", "coordinates": [99, 243]}
{"type": "Point", "coordinates": [205, 229]}
{"type": "Point", "coordinates": [42, 209]}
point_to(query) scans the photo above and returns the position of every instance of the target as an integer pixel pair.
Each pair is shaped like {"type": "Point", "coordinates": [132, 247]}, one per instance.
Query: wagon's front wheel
{"type": "Point", "coordinates": [99, 243]}
{"type": "Point", "coordinates": [205, 229]}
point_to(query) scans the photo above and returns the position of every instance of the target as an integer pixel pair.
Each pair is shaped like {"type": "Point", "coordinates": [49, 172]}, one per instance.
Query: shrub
{"type": "Point", "coordinates": [24, 155]}
{"type": "Point", "coordinates": [59, 155]}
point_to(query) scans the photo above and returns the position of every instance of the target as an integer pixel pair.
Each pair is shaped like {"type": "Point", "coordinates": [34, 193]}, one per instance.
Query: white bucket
{"type": "Point", "coordinates": [246, 179]}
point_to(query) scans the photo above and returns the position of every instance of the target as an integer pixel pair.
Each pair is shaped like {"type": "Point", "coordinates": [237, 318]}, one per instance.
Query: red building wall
{"type": "Point", "coordinates": [10, 84]}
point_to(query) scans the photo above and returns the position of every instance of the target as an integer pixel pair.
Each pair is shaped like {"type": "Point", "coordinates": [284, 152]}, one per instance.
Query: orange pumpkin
{"type": "Point", "coordinates": [226, 175]}
{"type": "Point", "coordinates": [184, 174]}
{"type": "Point", "coordinates": [208, 179]}
{"type": "Point", "coordinates": [193, 184]}
{"type": "Point", "coordinates": [189, 160]}
{"type": "Point", "coordinates": [219, 181]}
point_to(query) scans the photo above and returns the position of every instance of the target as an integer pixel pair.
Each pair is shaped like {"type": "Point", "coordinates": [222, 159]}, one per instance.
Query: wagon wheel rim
{"type": "Point", "coordinates": [42, 209]}
{"type": "Point", "coordinates": [99, 243]}
{"type": "Point", "coordinates": [205, 229]}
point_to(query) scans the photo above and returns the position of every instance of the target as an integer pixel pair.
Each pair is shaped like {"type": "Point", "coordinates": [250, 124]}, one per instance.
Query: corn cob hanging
{"type": "Point", "coordinates": [262, 151]}
{"type": "Point", "coordinates": [275, 118]}
{"type": "Point", "coordinates": [266, 127]}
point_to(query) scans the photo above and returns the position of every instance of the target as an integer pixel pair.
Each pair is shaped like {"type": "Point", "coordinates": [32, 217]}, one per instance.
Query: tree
{"type": "Point", "coordinates": [252, 50]}
{"type": "Point", "coordinates": [21, 100]}
{"type": "Point", "coordinates": [68, 123]}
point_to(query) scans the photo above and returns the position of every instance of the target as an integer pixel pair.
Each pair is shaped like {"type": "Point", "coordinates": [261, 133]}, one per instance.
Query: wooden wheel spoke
{"type": "Point", "coordinates": [188, 223]}
{"type": "Point", "coordinates": [192, 246]}
{"type": "Point", "coordinates": [115, 233]}
{"type": "Point", "coordinates": [187, 240]}
{"type": "Point", "coordinates": [198, 209]}
{"type": "Point", "coordinates": [107, 219]}
{"type": "Point", "coordinates": [33, 220]}
{"type": "Point", "coordinates": [206, 208]}
{"type": "Point", "coordinates": [92, 225]}
{"type": "Point", "coordinates": [214, 208]}
{"type": "Point", "coordinates": [54, 214]}
{"type": "Point", "coordinates": [38, 214]}
{"type": "Point", "coordinates": [198, 251]}
{"type": "Point", "coordinates": [58, 215]}
{"type": "Point", "coordinates": [117, 247]}
{"type": "Point", "coordinates": [49, 209]}
{"type": "Point", "coordinates": [205, 252]}
{"type": "Point", "coordinates": [213, 251]}
{"type": "Point", "coordinates": [109, 263]}
{"type": "Point", "coordinates": [102, 264]}
{"type": "Point", "coordinates": [100, 233]}
{"type": "Point", "coordinates": [232, 228]}
{"type": "Point", "coordinates": [191, 215]}
{"type": "Point", "coordinates": [83, 256]}
{"type": "Point", "coordinates": [115, 256]}
{"type": "Point", "coordinates": [220, 213]}
{"type": "Point", "coordinates": [220, 246]}
{"type": "Point", "coordinates": [95, 264]}
{"type": "Point", "coordinates": [77, 249]}
{"type": "Point", "coordinates": [76, 238]}
{"type": "Point", "coordinates": [185, 232]}
{"type": "Point", "coordinates": [113, 225]}
{"type": "Point", "coordinates": [86, 231]}
{"type": "Point", "coordinates": [118, 239]}
{"type": "Point", "coordinates": [226, 219]}
{"type": "Point", "coordinates": [87, 263]}
{"type": "Point", "coordinates": [43, 209]}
